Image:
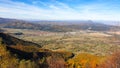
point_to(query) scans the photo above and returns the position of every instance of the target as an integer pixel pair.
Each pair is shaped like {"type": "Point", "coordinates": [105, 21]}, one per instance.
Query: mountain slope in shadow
{"type": "Point", "coordinates": [10, 40]}
{"type": "Point", "coordinates": [41, 58]}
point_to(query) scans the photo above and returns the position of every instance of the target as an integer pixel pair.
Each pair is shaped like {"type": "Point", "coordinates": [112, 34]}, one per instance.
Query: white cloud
{"type": "Point", "coordinates": [56, 11]}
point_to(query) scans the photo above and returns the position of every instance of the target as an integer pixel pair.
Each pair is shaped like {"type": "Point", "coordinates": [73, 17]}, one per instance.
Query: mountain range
{"type": "Point", "coordinates": [55, 26]}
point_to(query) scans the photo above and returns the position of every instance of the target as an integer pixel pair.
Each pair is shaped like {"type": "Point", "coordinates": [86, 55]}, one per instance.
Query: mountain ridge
{"type": "Point", "coordinates": [10, 40]}
{"type": "Point", "coordinates": [54, 26]}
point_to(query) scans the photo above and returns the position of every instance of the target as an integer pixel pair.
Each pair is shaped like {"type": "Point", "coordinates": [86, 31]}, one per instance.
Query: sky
{"type": "Point", "coordinates": [61, 9]}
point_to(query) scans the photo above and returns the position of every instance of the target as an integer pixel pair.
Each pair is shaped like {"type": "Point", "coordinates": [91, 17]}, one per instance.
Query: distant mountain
{"type": "Point", "coordinates": [20, 24]}
{"type": "Point", "coordinates": [114, 23]}
{"type": "Point", "coordinates": [7, 20]}
{"type": "Point", "coordinates": [54, 26]}
{"type": "Point", "coordinates": [14, 23]}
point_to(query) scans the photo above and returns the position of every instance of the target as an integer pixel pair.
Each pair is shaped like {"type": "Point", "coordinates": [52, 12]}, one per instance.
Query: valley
{"type": "Point", "coordinates": [93, 42]}
{"type": "Point", "coordinates": [59, 33]}
{"type": "Point", "coordinates": [58, 46]}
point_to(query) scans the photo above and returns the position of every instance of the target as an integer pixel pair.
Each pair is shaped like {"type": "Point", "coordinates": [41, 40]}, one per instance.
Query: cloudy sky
{"type": "Point", "coordinates": [61, 9]}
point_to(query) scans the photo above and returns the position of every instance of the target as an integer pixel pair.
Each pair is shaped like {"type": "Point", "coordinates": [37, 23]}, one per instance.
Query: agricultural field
{"type": "Point", "coordinates": [92, 42]}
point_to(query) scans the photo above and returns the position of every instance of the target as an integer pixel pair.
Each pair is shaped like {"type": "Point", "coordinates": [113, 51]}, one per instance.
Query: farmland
{"type": "Point", "coordinates": [93, 42]}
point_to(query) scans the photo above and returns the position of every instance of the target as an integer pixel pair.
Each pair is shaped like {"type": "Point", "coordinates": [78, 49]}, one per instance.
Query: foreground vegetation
{"type": "Point", "coordinates": [10, 60]}
{"type": "Point", "coordinates": [15, 57]}
{"type": "Point", "coordinates": [82, 49]}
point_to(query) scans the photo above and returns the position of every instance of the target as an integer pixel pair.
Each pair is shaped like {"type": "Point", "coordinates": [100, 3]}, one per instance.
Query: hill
{"type": "Point", "coordinates": [54, 26]}
{"type": "Point", "coordinates": [10, 40]}
{"type": "Point", "coordinates": [23, 56]}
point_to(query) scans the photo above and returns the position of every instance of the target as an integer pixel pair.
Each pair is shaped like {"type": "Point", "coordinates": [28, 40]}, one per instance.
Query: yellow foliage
{"type": "Point", "coordinates": [6, 60]}
{"type": "Point", "coordinates": [85, 60]}
{"type": "Point", "coordinates": [26, 48]}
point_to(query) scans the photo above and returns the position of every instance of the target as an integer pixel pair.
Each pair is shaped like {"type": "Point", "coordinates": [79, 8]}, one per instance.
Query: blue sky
{"type": "Point", "coordinates": [61, 9]}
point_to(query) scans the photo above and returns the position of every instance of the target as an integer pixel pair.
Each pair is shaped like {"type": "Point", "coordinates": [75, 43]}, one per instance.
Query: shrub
{"type": "Point", "coordinates": [112, 61]}
{"type": "Point", "coordinates": [85, 60]}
